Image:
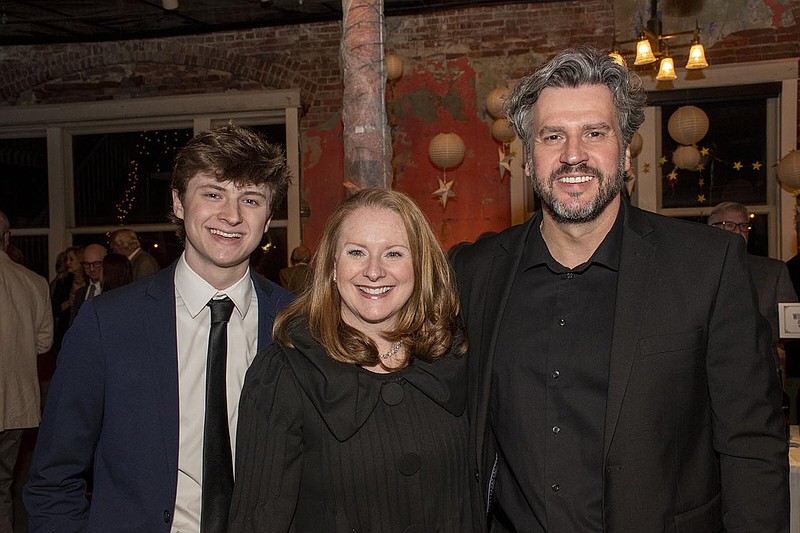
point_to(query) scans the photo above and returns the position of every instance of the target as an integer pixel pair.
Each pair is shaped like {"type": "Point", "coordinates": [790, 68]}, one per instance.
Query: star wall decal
{"type": "Point", "coordinates": [701, 182]}
{"type": "Point", "coordinates": [663, 160]}
{"type": "Point", "coordinates": [672, 176]}
{"type": "Point", "coordinates": [700, 167]}
{"type": "Point", "coordinates": [757, 165]}
{"type": "Point", "coordinates": [646, 168]}
{"type": "Point", "coordinates": [704, 151]}
{"type": "Point", "coordinates": [701, 198]}
{"type": "Point", "coordinates": [737, 165]}
{"type": "Point", "coordinates": [444, 192]}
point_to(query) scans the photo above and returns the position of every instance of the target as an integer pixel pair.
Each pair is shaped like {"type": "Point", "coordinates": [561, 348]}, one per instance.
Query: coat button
{"type": "Point", "coordinates": [167, 517]}
{"type": "Point", "coordinates": [392, 393]}
{"type": "Point", "coordinates": [555, 487]}
{"type": "Point", "coordinates": [477, 476]}
{"type": "Point", "coordinates": [408, 464]}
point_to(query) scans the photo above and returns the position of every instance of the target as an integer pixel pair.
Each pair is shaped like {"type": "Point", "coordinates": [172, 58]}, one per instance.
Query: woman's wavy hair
{"type": "Point", "coordinates": [572, 68]}
{"type": "Point", "coordinates": [427, 324]}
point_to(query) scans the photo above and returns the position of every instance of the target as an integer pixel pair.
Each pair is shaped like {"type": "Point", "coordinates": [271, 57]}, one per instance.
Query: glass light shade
{"type": "Point", "coordinates": [666, 71]}
{"type": "Point", "coordinates": [644, 52]}
{"type": "Point", "coordinates": [618, 59]}
{"type": "Point", "coordinates": [697, 57]}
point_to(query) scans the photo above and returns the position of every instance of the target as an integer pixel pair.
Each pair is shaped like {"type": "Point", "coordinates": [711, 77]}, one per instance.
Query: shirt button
{"type": "Point", "coordinates": [561, 321]}
{"type": "Point", "coordinates": [556, 429]}
{"type": "Point", "coordinates": [555, 487]}
{"type": "Point", "coordinates": [167, 517]}
{"type": "Point", "coordinates": [570, 275]}
{"type": "Point", "coordinates": [556, 374]}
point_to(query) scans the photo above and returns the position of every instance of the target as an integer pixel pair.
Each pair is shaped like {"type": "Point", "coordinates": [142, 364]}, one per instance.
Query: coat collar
{"type": "Point", "coordinates": [345, 395]}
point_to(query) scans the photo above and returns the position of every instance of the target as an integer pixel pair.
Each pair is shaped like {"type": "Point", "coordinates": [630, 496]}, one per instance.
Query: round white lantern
{"type": "Point", "coordinates": [636, 144]}
{"type": "Point", "coordinates": [789, 170]}
{"type": "Point", "coordinates": [502, 131]}
{"type": "Point", "coordinates": [394, 66]}
{"type": "Point", "coordinates": [688, 124]}
{"type": "Point", "coordinates": [686, 157]}
{"type": "Point", "coordinates": [446, 150]}
{"type": "Point", "coordinates": [495, 102]}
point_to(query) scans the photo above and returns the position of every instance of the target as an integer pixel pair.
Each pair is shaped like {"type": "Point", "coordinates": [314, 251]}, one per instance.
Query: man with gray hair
{"type": "Point", "coordinates": [26, 330]}
{"type": "Point", "coordinates": [619, 367]}
{"type": "Point", "coordinates": [126, 242]}
{"type": "Point", "coordinates": [770, 276]}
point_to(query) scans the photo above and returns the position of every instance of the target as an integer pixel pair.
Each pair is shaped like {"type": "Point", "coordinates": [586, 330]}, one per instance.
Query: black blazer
{"type": "Point", "coordinates": [694, 437]}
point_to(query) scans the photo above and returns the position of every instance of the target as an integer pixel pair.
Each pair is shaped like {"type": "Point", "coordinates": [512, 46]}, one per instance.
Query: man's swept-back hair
{"type": "Point", "coordinates": [572, 68]}
{"type": "Point", "coordinates": [427, 324]}
{"type": "Point", "coordinates": [232, 153]}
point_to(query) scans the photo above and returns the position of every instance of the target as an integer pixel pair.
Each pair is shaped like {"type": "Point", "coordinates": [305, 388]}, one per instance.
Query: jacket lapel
{"type": "Point", "coordinates": [635, 268]}
{"type": "Point", "coordinates": [163, 355]}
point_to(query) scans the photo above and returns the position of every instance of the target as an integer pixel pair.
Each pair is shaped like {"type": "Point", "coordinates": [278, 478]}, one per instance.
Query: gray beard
{"type": "Point", "coordinates": [568, 214]}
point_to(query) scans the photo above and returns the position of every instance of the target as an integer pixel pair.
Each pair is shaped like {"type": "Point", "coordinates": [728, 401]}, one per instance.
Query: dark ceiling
{"type": "Point", "coordinates": [63, 21]}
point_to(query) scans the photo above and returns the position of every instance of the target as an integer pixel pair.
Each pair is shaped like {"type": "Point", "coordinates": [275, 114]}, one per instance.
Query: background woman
{"type": "Point", "coordinates": [63, 295]}
{"type": "Point", "coordinates": [354, 419]}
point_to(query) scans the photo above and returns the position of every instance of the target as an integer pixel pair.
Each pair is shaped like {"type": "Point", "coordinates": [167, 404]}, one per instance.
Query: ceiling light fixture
{"type": "Point", "coordinates": [652, 44]}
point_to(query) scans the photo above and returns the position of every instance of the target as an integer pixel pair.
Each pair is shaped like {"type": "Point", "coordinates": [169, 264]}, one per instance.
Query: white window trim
{"type": "Point", "coordinates": [58, 122]}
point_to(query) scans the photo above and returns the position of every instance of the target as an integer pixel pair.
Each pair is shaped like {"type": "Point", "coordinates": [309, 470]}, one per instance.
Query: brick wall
{"type": "Point", "coordinates": [452, 60]}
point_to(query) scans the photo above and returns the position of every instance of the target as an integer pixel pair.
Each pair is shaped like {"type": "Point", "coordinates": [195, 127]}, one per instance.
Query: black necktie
{"type": "Point", "coordinates": [91, 291]}
{"type": "Point", "coordinates": [217, 462]}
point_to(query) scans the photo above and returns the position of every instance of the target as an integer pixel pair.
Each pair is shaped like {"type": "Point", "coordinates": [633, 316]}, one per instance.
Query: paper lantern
{"type": "Point", "coordinates": [501, 130]}
{"type": "Point", "coordinates": [636, 144]}
{"type": "Point", "coordinates": [495, 102]}
{"type": "Point", "coordinates": [394, 66]}
{"type": "Point", "coordinates": [446, 150]}
{"type": "Point", "coordinates": [789, 170]}
{"type": "Point", "coordinates": [686, 157]}
{"type": "Point", "coordinates": [688, 124]}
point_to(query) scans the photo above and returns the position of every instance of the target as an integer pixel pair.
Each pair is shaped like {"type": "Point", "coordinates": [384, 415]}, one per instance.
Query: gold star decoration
{"type": "Point", "coordinates": [444, 192]}
{"type": "Point", "coordinates": [704, 151]}
{"type": "Point", "coordinates": [646, 168]}
{"type": "Point", "coordinates": [757, 165]}
{"type": "Point", "coordinates": [672, 176]}
{"type": "Point", "coordinates": [700, 167]}
{"type": "Point", "coordinates": [737, 165]}
{"type": "Point", "coordinates": [701, 198]}
{"type": "Point", "coordinates": [505, 162]}
{"type": "Point", "coordinates": [663, 160]}
{"type": "Point", "coordinates": [701, 182]}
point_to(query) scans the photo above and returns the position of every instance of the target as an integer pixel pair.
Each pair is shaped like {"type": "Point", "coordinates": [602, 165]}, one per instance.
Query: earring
{"type": "Point", "coordinates": [334, 276]}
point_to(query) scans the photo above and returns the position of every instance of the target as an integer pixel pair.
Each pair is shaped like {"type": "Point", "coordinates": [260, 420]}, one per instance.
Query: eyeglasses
{"type": "Point", "coordinates": [727, 225]}
{"type": "Point", "coordinates": [93, 265]}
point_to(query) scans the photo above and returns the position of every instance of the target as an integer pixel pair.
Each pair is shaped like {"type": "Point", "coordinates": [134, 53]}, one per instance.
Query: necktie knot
{"type": "Point", "coordinates": [221, 309]}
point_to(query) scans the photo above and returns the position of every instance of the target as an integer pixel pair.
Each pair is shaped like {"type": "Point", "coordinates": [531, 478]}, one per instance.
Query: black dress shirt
{"type": "Point", "coordinates": [549, 388]}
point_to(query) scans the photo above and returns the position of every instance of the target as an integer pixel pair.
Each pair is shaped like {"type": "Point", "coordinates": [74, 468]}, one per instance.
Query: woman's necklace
{"type": "Point", "coordinates": [393, 350]}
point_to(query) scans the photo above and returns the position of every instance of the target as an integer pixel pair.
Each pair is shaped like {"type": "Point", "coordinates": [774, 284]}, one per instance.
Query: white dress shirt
{"type": "Point", "coordinates": [192, 293]}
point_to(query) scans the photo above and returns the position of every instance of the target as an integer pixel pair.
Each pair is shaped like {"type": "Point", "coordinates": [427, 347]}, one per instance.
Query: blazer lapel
{"type": "Point", "coordinates": [502, 269]}
{"type": "Point", "coordinates": [635, 268]}
{"type": "Point", "coordinates": [163, 355]}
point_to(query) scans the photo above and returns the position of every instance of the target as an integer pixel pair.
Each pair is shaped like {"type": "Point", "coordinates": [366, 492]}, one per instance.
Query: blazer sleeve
{"type": "Point", "coordinates": [745, 399]}
{"type": "Point", "coordinates": [55, 495]}
{"type": "Point", "coordinates": [269, 447]}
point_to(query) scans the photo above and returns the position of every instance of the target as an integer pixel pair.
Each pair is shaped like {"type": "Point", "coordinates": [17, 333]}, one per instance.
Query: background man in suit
{"type": "Point", "coordinates": [128, 396]}
{"type": "Point", "coordinates": [770, 276]}
{"type": "Point", "coordinates": [126, 242]}
{"type": "Point", "coordinates": [26, 330]}
{"type": "Point", "coordinates": [92, 265]}
{"type": "Point", "coordinates": [620, 368]}
{"type": "Point", "coordinates": [296, 277]}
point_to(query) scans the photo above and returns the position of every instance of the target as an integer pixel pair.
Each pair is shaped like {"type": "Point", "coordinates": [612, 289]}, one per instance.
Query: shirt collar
{"type": "Point", "coordinates": [607, 254]}
{"type": "Point", "coordinates": [196, 292]}
{"type": "Point", "coordinates": [133, 254]}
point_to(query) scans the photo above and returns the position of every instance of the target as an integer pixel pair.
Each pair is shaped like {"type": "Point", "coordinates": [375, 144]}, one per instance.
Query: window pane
{"type": "Point", "coordinates": [23, 182]}
{"type": "Point", "coordinates": [733, 165]}
{"type": "Point", "coordinates": [31, 251]}
{"type": "Point", "coordinates": [124, 178]}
